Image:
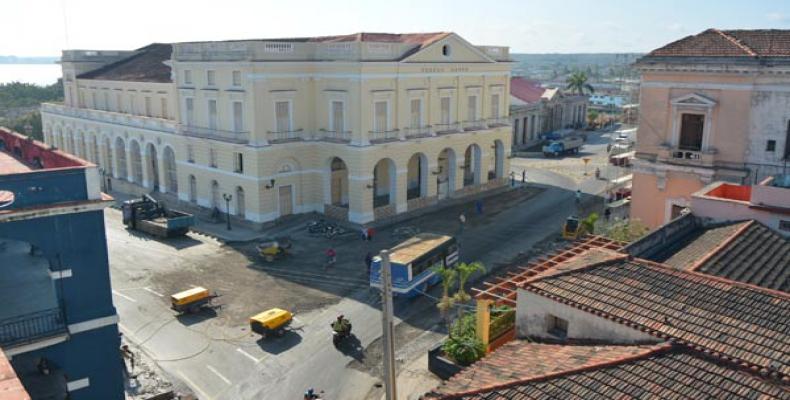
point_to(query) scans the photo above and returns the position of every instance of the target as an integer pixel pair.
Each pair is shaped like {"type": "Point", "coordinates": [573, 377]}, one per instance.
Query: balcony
{"type": "Point", "coordinates": [28, 328]}
{"type": "Point", "coordinates": [443, 129]}
{"type": "Point", "coordinates": [497, 122]}
{"type": "Point", "coordinates": [111, 117]}
{"type": "Point", "coordinates": [423, 131]}
{"type": "Point", "coordinates": [284, 136]}
{"type": "Point", "coordinates": [476, 125]}
{"type": "Point", "coordinates": [384, 136]}
{"type": "Point", "coordinates": [238, 137]}
{"type": "Point", "coordinates": [336, 136]}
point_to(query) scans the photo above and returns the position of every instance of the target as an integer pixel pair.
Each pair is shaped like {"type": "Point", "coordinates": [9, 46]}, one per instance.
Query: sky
{"type": "Point", "coordinates": [44, 27]}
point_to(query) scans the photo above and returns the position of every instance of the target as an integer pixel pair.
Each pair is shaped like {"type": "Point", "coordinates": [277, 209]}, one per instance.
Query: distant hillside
{"type": "Point", "coordinates": [28, 60]}
{"type": "Point", "coordinates": [598, 66]}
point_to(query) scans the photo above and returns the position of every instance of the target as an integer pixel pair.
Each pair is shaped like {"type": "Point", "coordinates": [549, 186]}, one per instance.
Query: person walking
{"type": "Point", "coordinates": [523, 176]}
{"type": "Point", "coordinates": [607, 214]}
{"type": "Point", "coordinates": [364, 233]}
{"type": "Point", "coordinates": [371, 232]}
{"type": "Point", "coordinates": [462, 221]}
{"type": "Point", "coordinates": [331, 258]}
{"type": "Point", "coordinates": [479, 207]}
{"type": "Point", "coordinates": [578, 197]}
{"type": "Point", "coordinates": [369, 261]}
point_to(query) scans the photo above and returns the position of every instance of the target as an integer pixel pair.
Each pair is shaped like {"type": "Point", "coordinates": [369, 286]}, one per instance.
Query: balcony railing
{"type": "Point", "coordinates": [476, 125]}
{"type": "Point", "coordinates": [31, 327]}
{"type": "Point", "coordinates": [422, 131]}
{"type": "Point", "coordinates": [213, 133]}
{"type": "Point", "coordinates": [285, 136]}
{"type": "Point", "coordinates": [499, 121]}
{"type": "Point", "coordinates": [111, 117]}
{"type": "Point", "coordinates": [447, 128]}
{"type": "Point", "coordinates": [383, 136]}
{"type": "Point", "coordinates": [336, 136]}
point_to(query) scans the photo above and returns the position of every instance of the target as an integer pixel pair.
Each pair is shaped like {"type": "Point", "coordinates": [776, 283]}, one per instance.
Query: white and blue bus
{"type": "Point", "coordinates": [411, 263]}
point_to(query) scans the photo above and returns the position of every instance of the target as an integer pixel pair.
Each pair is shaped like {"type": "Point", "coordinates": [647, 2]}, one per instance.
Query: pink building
{"type": "Point", "coordinates": [714, 107]}
{"type": "Point", "coordinates": [768, 202]}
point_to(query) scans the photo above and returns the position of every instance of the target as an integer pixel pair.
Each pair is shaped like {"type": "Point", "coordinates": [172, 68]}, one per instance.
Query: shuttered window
{"type": "Point", "coordinates": [212, 114]}
{"type": "Point", "coordinates": [445, 110]}
{"type": "Point", "coordinates": [238, 117]}
{"type": "Point", "coordinates": [471, 111]}
{"type": "Point", "coordinates": [380, 120]}
{"type": "Point", "coordinates": [416, 113]}
{"type": "Point", "coordinates": [190, 111]}
{"type": "Point", "coordinates": [283, 116]}
{"type": "Point", "coordinates": [337, 117]}
{"type": "Point", "coordinates": [495, 106]}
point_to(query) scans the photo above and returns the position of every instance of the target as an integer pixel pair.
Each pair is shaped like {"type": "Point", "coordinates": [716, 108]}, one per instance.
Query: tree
{"type": "Point", "coordinates": [448, 276]}
{"type": "Point", "coordinates": [626, 231]}
{"type": "Point", "coordinates": [577, 82]}
{"type": "Point", "coordinates": [588, 224]}
{"type": "Point", "coordinates": [592, 116]}
{"type": "Point", "coordinates": [464, 272]}
{"type": "Point", "coordinates": [463, 345]}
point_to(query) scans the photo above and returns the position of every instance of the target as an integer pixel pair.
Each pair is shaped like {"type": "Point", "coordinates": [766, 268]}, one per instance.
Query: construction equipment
{"type": "Point", "coordinates": [572, 228]}
{"type": "Point", "coordinates": [271, 322]}
{"type": "Point", "coordinates": [148, 215]}
{"type": "Point", "coordinates": [274, 249]}
{"type": "Point", "coordinates": [191, 300]}
{"type": "Point", "coordinates": [562, 146]}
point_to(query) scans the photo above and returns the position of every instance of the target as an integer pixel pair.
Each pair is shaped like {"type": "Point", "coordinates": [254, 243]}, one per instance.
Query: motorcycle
{"type": "Point", "coordinates": [339, 336]}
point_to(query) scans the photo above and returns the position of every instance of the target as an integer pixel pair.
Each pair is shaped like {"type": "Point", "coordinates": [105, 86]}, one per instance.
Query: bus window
{"type": "Point", "coordinates": [420, 266]}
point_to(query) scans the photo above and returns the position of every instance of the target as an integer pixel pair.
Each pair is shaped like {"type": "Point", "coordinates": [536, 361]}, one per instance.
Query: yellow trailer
{"type": "Point", "coordinates": [271, 322]}
{"type": "Point", "coordinates": [191, 300]}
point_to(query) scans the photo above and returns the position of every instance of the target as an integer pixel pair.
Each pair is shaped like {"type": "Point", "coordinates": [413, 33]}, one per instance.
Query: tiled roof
{"type": "Point", "coordinates": [145, 65]}
{"type": "Point", "coordinates": [746, 251]}
{"type": "Point", "coordinates": [526, 90]}
{"type": "Point", "coordinates": [729, 43]}
{"type": "Point", "coordinates": [670, 374]}
{"type": "Point", "coordinates": [521, 360]}
{"type": "Point", "coordinates": [742, 324]}
{"type": "Point", "coordinates": [10, 386]}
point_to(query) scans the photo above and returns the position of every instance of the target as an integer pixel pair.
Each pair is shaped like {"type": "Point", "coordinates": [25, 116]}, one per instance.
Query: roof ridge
{"type": "Point", "coordinates": [724, 243]}
{"type": "Point", "coordinates": [736, 42]}
{"type": "Point", "coordinates": [657, 349]}
{"type": "Point", "coordinates": [555, 271]}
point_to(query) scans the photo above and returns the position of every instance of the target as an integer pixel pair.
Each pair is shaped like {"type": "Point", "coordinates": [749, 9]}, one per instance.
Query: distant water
{"type": "Point", "coordinates": [39, 74]}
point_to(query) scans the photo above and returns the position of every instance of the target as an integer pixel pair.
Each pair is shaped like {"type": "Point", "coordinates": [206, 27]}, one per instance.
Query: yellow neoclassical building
{"type": "Point", "coordinates": [360, 127]}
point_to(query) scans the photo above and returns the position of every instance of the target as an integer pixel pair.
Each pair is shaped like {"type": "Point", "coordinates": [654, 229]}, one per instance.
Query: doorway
{"type": "Point", "coordinates": [286, 200]}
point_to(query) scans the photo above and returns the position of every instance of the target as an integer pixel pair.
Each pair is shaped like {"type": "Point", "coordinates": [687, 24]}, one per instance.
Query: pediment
{"type": "Point", "coordinates": [459, 51]}
{"type": "Point", "coordinates": [693, 99]}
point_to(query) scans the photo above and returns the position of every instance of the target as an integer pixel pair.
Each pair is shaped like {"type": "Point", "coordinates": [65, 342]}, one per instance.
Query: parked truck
{"type": "Point", "coordinates": [148, 215]}
{"type": "Point", "coordinates": [563, 146]}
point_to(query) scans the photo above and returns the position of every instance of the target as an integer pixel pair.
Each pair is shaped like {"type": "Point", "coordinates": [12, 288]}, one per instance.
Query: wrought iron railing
{"type": "Point", "coordinates": [421, 131]}
{"type": "Point", "coordinates": [336, 135]}
{"type": "Point", "coordinates": [499, 121]}
{"type": "Point", "coordinates": [283, 136]}
{"type": "Point", "coordinates": [446, 128]}
{"type": "Point", "coordinates": [241, 137]}
{"type": "Point", "coordinates": [31, 327]}
{"type": "Point", "coordinates": [476, 125]}
{"type": "Point", "coordinates": [380, 136]}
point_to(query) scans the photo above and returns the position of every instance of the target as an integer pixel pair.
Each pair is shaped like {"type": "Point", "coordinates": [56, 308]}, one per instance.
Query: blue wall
{"type": "Point", "coordinates": [45, 187]}
{"type": "Point", "coordinates": [77, 242]}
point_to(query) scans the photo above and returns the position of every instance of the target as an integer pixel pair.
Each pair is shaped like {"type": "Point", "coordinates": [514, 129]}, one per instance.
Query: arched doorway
{"type": "Point", "coordinates": [445, 176]}
{"type": "Point", "coordinates": [384, 183]}
{"type": "Point", "coordinates": [338, 182]}
{"type": "Point", "coordinates": [137, 162]}
{"type": "Point", "coordinates": [192, 189]}
{"type": "Point", "coordinates": [214, 194]}
{"type": "Point", "coordinates": [120, 155]}
{"type": "Point", "coordinates": [240, 206]}
{"type": "Point", "coordinates": [417, 181]}
{"type": "Point", "coordinates": [153, 165]}
{"type": "Point", "coordinates": [171, 178]}
{"type": "Point", "coordinates": [108, 158]}
{"type": "Point", "coordinates": [472, 165]}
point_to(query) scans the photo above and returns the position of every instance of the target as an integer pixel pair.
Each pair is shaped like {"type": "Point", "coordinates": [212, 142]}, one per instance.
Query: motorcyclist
{"type": "Point", "coordinates": [310, 394]}
{"type": "Point", "coordinates": [341, 324]}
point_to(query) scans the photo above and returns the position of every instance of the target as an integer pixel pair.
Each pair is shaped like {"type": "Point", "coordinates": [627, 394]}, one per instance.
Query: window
{"type": "Point", "coordinates": [211, 78]}
{"type": "Point", "coordinates": [337, 121]}
{"type": "Point", "coordinates": [237, 78]}
{"type": "Point", "coordinates": [106, 105]}
{"type": "Point", "coordinates": [238, 117]}
{"type": "Point", "coordinates": [691, 128]}
{"type": "Point", "coordinates": [212, 158]}
{"type": "Point", "coordinates": [192, 189]}
{"type": "Point", "coordinates": [446, 50]}
{"type": "Point", "coordinates": [787, 143]}
{"type": "Point", "coordinates": [471, 112]}
{"type": "Point", "coordinates": [212, 114]}
{"type": "Point", "coordinates": [445, 110]}
{"type": "Point", "coordinates": [784, 225]}
{"type": "Point", "coordinates": [238, 163]}
{"type": "Point", "coordinates": [190, 153]}
{"type": "Point", "coordinates": [131, 104]}
{"type": "Point", "coordinates": [770, 145]}
{"type": "Point", "coordinates": [556, 326]}
{"type": "Point", "coordinates": [416, 113]}
{"type": "Point", "coordinates": [94, 102]}
{"type": "Point", "coordinates": [214, 194]}
{"type": "Point", "coordinates": [495, 106]}
{"type": "Point", "coordinates": [187, 77]}
{"type": "Point", "coordinates": [190, 111]}
{"type": "Point", "coordinates": [677, 210]}
{"type": "Point", "coordinates": [147, 106]}
{"type": "Point", "coordinates": [380, 117]}
{"type": "Point", "coordinates": [163, 105]}
{"type": "Point", "coordinates": [118, 102]}
{"type": "Point", "coordinates": [282, 110]}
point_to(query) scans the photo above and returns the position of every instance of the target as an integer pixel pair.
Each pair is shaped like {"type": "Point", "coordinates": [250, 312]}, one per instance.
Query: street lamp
{"type": "Point", "coordinates": [227, 198]}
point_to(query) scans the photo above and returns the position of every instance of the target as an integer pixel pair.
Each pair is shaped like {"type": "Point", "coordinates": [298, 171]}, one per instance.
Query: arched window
{"type": "Point", "coordinates": [446, 50]}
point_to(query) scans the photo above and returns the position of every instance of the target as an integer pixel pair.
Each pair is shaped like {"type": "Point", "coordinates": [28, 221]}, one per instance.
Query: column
{"type": "Point", "coordinates": [129, 167]}
{"type": "Point", "coordinates": [162, 171]}
{"type": "Point", "coordinates": [146, 161]}
{"type": "Point", "coordinates": [432, 189]}
{"type": "Point", "coordinates": [401, 185]}
{"type": "Point", "coordinates": [360, 198]}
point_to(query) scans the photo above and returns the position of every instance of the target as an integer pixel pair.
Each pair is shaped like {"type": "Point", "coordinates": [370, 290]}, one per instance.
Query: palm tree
{"type": "Point", "coordinates": [464, 272]}
{"type": "Point", "coordinates": [444, 305]}
{"type": "Point", "coordinates": [577, 82]}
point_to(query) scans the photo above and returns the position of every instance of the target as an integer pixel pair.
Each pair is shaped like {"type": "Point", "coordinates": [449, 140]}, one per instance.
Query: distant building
{"type": "Point", "coordinates": [606, 100]}
{"type": "Point", "coordinates": [359, 127]}
{"type": "Point", "coordinates": [56, 305]}
{"type": "Point", "coordinates": [767, 202]}
{"type": "Point", "coordinates": [714, 107]}
{"type": "Point", "coordinates": [535, 110]}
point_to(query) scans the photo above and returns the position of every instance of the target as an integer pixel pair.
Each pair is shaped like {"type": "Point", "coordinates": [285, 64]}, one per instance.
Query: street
{"type": "Point", "coordinates": [216, 355]}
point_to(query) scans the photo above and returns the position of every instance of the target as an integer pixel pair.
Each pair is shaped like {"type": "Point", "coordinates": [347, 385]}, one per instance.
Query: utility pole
{"type": "Point", "coordinates": [387, 326]}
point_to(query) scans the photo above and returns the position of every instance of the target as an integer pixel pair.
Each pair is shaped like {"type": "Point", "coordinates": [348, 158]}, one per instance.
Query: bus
{"type": "Point", "coordinates": [412, 261]}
